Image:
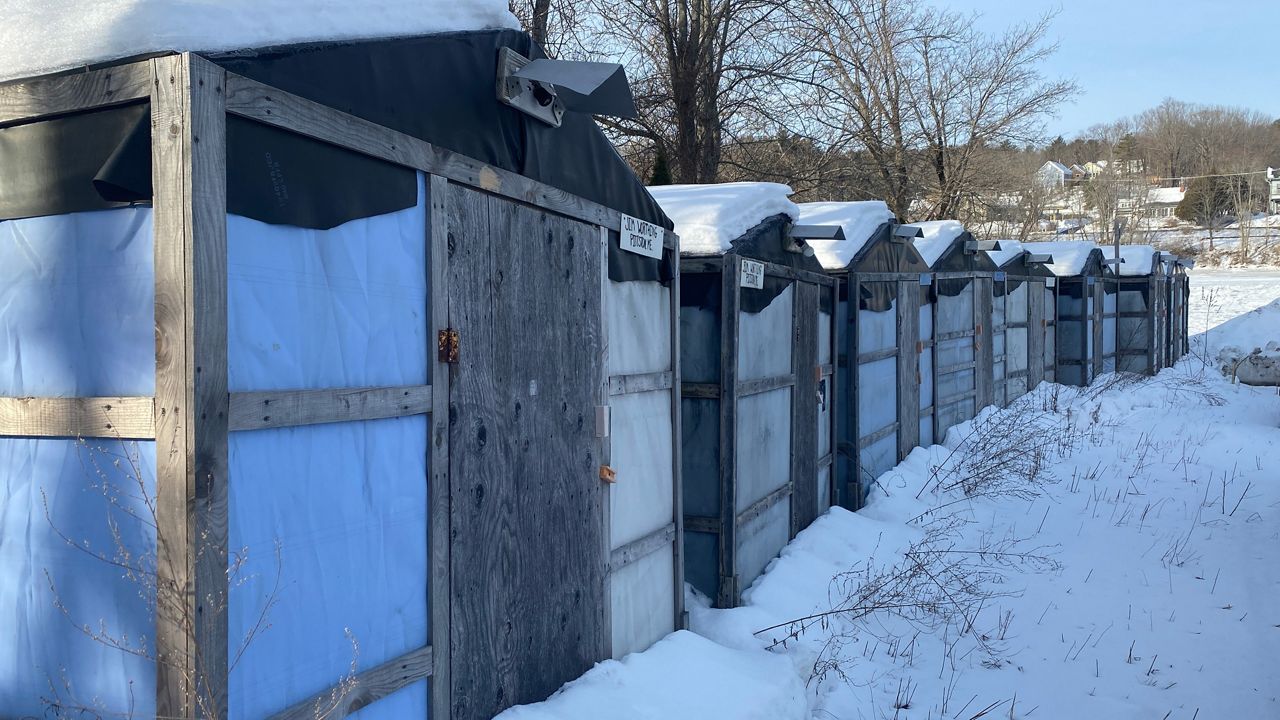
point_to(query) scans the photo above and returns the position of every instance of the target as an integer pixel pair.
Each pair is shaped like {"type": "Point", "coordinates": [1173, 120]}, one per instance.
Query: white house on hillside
{"type": "Point", "coordinates": [1162, 201]}
{"type": "Point", "coordinates": [1053, 175]}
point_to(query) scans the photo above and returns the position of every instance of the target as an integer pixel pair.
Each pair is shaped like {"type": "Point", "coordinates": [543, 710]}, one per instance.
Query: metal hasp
{"type": "Point", "coordinates": [447, 346]}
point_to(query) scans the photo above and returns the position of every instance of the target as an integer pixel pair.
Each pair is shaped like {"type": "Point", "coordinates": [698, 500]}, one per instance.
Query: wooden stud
{"type": "Point", "coordinates": [640, 383]}
{"type": "Point", "coordinates": [908, 327]}
{"type": "Point", "coordinates": [291, 408]}
{"type": "Point", "coordinates": [677, 462]}
{"type": "Point", "coordinates": [120, 418]}
{"type": "Point", "coordinates": [365, 688]}
{"type": "Point", "coordinates": [758, 386]}
{"type": "Point", "coordinates": [188, 135]}
{"type": "Point", "coordinates": [804, 406]}
{"type": "Point", "coordinates": [439, 513]}
{"type": "Point", "coordinates": [730, 299]}
{"type": "Point", "coordinates": [642, 547]}
{"type": "Point", "coordinates": [42, 98]}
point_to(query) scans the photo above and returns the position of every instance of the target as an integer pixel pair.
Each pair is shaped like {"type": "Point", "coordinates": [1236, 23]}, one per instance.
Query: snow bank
{"type": "Point", "coordinates": [859, 220]}
{"type": "Point", "coordinates": [1009, 249]}
{"type": "Point", "coordinates": [684, 675]}
{"type": "Point", "coordinates": [1248, 346]}
{"type": "Point", "coordinates": [937, 239]}
{"type": "Point", "coordinates": [1069, 256]}
{"type": "Point", "coordinates": [708, 218]}
{"type": "Point", "coordinates": [43, 36]}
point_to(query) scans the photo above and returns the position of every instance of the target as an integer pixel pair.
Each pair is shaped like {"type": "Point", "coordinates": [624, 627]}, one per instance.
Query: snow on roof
{"type": "Point", "coordinates": [1069, 256]}
{"type": "Point", "coordinates": [859, 220]}
{"type": "Point", "coordinates": [938, 237]}
{"type": "Point", "coordinates": [1138, 259]}
{"type": "Point", "coordinates": [1171, 195]}
{"type": "Point", "coordinates": [1009, 249]}
{"type": "Point", "coordinates": [709, 218]}
{"type": "Point", "coordinates": [44, 36]}
{"type": "Point", "coordinates": [1057, 166]}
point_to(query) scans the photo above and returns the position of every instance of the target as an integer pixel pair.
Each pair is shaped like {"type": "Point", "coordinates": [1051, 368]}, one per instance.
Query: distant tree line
{"type": "Point", "coordinates": [865, 99]}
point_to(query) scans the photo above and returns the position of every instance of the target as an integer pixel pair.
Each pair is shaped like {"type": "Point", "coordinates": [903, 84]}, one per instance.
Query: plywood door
{"type": "Point", "coordinates": [527, 515]}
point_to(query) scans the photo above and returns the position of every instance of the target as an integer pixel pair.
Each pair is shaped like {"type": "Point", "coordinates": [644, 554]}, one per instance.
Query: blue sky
{"type": "Point", "coordinates": [1128, 55]}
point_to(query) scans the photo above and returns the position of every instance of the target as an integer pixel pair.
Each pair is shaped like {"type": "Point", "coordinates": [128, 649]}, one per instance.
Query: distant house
{"type": "Point", "coordinates": [1093, 169]}
{"type": "Point", "coordinates": [1161, 202]}
{"type": "Point", "coordinates": [1053, 175]}
{"type": "Point", "coordinates": [1078, 174]}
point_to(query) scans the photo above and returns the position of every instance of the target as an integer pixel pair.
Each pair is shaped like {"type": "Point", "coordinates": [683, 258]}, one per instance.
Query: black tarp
{"type": "Point", "coordinates": [884, 254]}
{"type": "Point", "coordinates": [438, 88]}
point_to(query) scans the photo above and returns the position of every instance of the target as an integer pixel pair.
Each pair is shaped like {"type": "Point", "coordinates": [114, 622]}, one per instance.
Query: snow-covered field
{"type": "Point", "coordinates": [1106, 553]}
{"type": "Point", "coordinates": [1219, 295]}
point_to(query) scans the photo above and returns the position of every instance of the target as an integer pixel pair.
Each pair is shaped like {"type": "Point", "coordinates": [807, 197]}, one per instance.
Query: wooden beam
{"type": "Point", "coordinates": [758, 508]}
{"type": "Point", "coordinates": [438, 500]}
{"type": "Point", "coordinates": [759, 386]}
{"type": "Point", "coordinates": [877, 436]}
{"type": "Point", "coordinates": [289, 408]}
{"type": "Point", "coordinates": [639, 383]}
{"type": "Point", "coordinates": [355, 693]}
{"type": "Point", "coordinates": [42, 98]}
{"type": "Point", "coordinates": [730, 303]}
{"type": "Point", "coordinates": [677, 460]}
{"type": "Point", "coordinates": [875, 355]}
{"type": "Point", "coordinates": [122, 418]}
{"type": "Point", "coordinates": [699, 523]}
{"type": "Point", "coordinates": [623, 556]}
{"type": "Point", "coordinates": [256, 101]}
{"type": "Point", "coordinates": [700, 391]}
{"type": "Point", "coordinates": [188, 136]}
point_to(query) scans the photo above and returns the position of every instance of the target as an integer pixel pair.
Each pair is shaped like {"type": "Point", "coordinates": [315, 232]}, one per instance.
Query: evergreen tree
{"type": "Point", "coordinates": [661, 169]}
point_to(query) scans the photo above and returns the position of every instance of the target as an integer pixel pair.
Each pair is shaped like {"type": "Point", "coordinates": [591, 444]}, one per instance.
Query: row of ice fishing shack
{"type": "Point", "coordinates": [822, 342]}
{"type": "Point", "coordinates": [353, 407]}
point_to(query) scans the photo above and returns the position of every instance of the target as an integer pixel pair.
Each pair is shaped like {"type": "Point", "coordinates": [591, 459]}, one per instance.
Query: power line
{"type": "Point", "coordinates": [1217, 175]}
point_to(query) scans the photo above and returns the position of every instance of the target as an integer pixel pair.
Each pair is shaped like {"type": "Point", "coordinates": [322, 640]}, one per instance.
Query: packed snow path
{"type": "Point", "coordinates": [1107, 553]}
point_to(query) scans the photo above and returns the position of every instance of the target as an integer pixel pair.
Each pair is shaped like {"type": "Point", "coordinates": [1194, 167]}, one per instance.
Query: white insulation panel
{"type": "Point", "coordinates": [641, 501]}
{"type": "Point", "coordinates": [642, 595]}
{"type": "Point", "coordinates": [76, 319]}
{"type": "Point", "coordinates": [763, 450]}
{"type": "Point", "coordinates": [760, 354]}
{"type": "Point", "coordinates": [878, 408]}
{"type": "Point", "coordinates": [77, 299]}
{"type": "Point", "coordinates": [638, 315]}
{"type": "Point", "coordinates": [311, 309]}
{"type": "Point", "coordinates": [877, 330]}
{"type": "Point", "coordinates": [85, 491]}
{"type": "Point", "coordinates": [760, 541]}
{"type": "Point", "coordinates": [346, 504]}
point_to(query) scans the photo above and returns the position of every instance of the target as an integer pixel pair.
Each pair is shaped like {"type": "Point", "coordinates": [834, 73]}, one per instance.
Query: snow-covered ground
{"type": "Point", "coordinates": [1111, 552]}
{"type": "Point", "coordinates": [1219, 295]}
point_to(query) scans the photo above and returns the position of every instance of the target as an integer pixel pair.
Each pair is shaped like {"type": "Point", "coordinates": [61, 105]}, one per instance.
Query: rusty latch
{"type": "Point", "coordinates": [447, 346]}
{"type": "Point", "coordinates": [608, 474]}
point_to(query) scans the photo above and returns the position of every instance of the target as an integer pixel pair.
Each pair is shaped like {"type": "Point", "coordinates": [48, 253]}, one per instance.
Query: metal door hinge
{"type": "Point", "coordinates": [447, 346]}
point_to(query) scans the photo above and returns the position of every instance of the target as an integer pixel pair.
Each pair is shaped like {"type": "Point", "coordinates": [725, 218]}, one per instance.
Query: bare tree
{"type": "Point", "coordinates": [928, 97]}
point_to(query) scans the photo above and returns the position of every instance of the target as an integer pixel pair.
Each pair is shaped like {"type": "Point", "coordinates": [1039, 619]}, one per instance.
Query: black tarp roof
{"type": "Point", "coordinates": [439, 88]}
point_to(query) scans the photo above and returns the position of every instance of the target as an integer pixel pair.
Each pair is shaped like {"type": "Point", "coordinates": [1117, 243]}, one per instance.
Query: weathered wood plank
{"type": "Point", "coordinates": [698, 523]}
{"type": "Point", "coordinates": [758, 386]}
{"type": "Point", "coordinates": [623, 556]}
{"type": "Point", "coordinates": [874, 355]}
{"type": "Point", "coordinates": [640, 383]}
{"type": "Point", "coordinates": [189, 179]}
{"type": "Point", "coordinates": [527, 556]}
{"type": "Point", "coordinates": [804, 406]}
{"type": "Point", "coordinates": [123, 418]}
{"type": "Point", "coordinates": [759, 507]}
{"type": "Point", "coordinates": [943, 370]}
{"type": "Point", "coordinates": [265, 104]}
{"type": "Point", "coordinates": [730, 304]}
{"type": "Point", "coordinates": [364, 689]}
{"type": "Point", "coordinates": [677, 459]}
{"type": "Point", "coordinates": [94, 89]}
{"type": "Point", "coordinates": [439, 588]}
{"type": "Point", "coordinates": [908, 328]}
{"type": "Point", "coordinates": [701, 391]}
{"type": "Point", "coordinates": [877, 436]}
{"type": "Point", "coordinates": [289, 408]}
{"type": "Point", "coordinates": [790, 273]}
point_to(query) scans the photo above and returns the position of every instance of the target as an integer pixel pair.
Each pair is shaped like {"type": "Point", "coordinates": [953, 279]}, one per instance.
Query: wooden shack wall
{"type": "Point", "coordinates": [746, 408]}
{"type": "Point", "coordinates": [492, 578]}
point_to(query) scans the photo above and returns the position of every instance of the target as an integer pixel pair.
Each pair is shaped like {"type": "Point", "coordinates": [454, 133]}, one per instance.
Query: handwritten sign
{"type": "Point", "coordinates": [640, 237]}
{"type": "Point", "coordinates": [752, 274]}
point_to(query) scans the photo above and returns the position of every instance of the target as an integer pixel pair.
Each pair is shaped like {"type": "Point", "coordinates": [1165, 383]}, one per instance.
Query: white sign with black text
{"type": "Point", "coordinates": [752, 274]}
{"type": "Point", "coordinates": [640, 237]}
